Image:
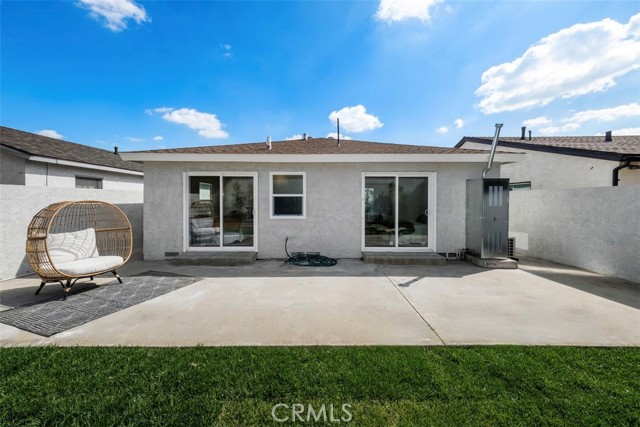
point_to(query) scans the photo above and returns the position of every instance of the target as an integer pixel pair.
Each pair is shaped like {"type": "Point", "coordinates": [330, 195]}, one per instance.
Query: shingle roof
{"type": "Point", "coordinates": [317, 146]}
{"type": "Point", "coordinates": [584, 146]}
{"type": "Point", "coordinates": [38, 145]}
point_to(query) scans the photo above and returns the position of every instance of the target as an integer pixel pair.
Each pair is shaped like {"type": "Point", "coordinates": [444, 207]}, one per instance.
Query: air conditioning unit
{"type": "Point", "coordinates": [511, 249]}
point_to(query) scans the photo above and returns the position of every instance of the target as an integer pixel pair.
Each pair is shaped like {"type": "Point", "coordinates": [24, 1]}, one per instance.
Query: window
{"type": "Point", "coordinates": [84, 182]}
{"type": "Point", "coordinates": [396, 210]}
{"type": "Point", "coordinates": [220, 210]}
{"type": "Point", "coordinates": [287, 195]}
{"type": "Point", "coordinates": [519, 186]}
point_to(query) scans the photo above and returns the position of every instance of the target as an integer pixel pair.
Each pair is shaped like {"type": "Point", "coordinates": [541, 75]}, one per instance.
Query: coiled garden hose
{"type": "Point", "coordinates": [308, 260]}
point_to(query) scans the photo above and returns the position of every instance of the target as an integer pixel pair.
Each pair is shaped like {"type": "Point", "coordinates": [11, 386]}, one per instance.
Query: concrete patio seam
{"type": "Point", "coordinates": [412, 306]}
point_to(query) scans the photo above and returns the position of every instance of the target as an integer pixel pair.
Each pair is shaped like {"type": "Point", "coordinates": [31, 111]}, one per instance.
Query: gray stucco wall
{"type": "Point", "coordinates": [11, 168]}
{"type": "Point", "coordinates": [333, 224]}
{"type": "Point", "coordinates": [53, 175]}
{"type": "Point", "coordinates": [19, 203]}
{"type": "Point", "coordinates": [597, 229]}
{"type": "Point", "coordinates": [548, 170]}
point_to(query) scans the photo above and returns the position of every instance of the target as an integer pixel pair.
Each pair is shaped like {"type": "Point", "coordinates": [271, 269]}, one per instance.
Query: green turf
{"type": "Point", "coordinates": [384, 386]}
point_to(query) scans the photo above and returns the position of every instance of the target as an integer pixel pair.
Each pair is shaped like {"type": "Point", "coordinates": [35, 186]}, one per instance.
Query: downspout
{"type": "Point", "coordinates": [494, 144]}
{"type": "Point", "coordinates": [626, 164]}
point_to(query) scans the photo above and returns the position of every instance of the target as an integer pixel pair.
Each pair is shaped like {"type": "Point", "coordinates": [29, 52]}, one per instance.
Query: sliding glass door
{"type": "Point", "coordinates": [237, 211]}
{"type": "Point", "coordinates": [380, 211]}
{"type": "Point", "coordinates": [413, 212]}
{"type": "Point", "coordinates": [220, 211]}
{"type": "Point", "coordinates": [397, 212]}
{"type": "Point", "coordinates": [204, 209]}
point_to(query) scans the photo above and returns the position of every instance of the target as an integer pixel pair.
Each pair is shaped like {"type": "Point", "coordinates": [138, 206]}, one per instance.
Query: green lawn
{"type": "Point", "coordinates": [384, 386]}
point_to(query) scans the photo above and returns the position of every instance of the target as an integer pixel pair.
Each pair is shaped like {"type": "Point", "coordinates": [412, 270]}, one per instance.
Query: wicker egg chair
{"type": "Point", "coordinates": [70, 240]}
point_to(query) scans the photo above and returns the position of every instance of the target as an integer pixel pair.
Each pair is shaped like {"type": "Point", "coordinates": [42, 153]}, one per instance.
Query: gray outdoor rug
{"type": "Point", "coordinates": [52, 315]}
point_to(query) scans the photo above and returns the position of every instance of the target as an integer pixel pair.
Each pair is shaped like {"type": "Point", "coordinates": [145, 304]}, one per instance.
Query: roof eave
{"type": "Point", "coordinates": [43, 159]}
{"type": "Point", "coordinates": [321, 158]}
{"type": "Point", "coordinates": [16, 152]}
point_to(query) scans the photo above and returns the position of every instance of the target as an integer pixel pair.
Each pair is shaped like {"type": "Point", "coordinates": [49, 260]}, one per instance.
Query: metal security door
{"type": "Point", "coordinates": [496, 218]}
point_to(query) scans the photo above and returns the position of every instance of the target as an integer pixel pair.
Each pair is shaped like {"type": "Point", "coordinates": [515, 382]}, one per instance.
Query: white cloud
{"type": "Point", "coordinates": [226, 50]}
{"type": "Point", "coordinates": [551, 130]}
{"type": "Point", "coordinates": [554, 130]}
{"type": "Point", "coordinates": [50, 133]}
{"type": "Point", "coordinates": [151, 111]}
{"type": "Point", "coordinates": [627, 131]}
{"type": "Point", "coordinates": [538, 121]}
{"type": "Point", "coordinates": [158, 138]}
{"type": "Point", "coordinates": [208, 125]}
{"type": "Point", "coordinates": [575, 61]}
{"type": "Point", "coordinates": [114, 14]}
{"type": "Point", "coordinates": [570, 126]}
{"type": "Point", "coordinates": [294, 137]}
{"type": "Point", "coordinates": [459, 123]}
{"type": "Point", "coordinates": [442, 129]}
{"type": "Point", "coordinates": [334, 135]}
{"type": "Point", "coordinates": [133, 139]}
{"type": "Point", "coordinates": [606, 114]}
{"type": "Point", "coordinates": [577, 119]}
{"type": "Point", "coordinates": [399, 10]}
{"type": "Point", "coordinates": [355, 119]}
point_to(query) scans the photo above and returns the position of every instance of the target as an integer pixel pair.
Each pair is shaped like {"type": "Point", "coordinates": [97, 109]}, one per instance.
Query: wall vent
{"type": "Point", "coordinates": [511, 250]}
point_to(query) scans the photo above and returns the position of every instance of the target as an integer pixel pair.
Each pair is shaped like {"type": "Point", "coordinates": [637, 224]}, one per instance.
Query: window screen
{"type": "Point", "coordinates": [287, 195]}
{"type": "Point", "coordinates": [82, 182]}
{"type": "Point", "coordinates": [519, 186]}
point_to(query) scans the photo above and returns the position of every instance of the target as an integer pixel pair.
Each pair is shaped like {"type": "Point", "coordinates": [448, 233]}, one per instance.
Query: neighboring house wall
{"type": "Point", "coordinates": [11, 168]}
{"type": "Point", "coordinates": [550, 170]}
{"type": "Point", "coordinates": [630, 177]}
{"type": "Point", "coordinates": [53, 175]}
{"type": "Point", "coordinates": [597, 229]}
{"type": "Point", "coordinates": [333, 224]}
{"type": "Point", "coordinates": [19, 204]}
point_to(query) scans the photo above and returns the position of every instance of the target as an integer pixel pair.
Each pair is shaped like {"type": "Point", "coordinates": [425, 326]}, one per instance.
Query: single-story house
{"type": "Point", "coordinates": [554, 162]}
{"type": "Point", "coordinates": [337, 198]}
{"type": "Point", "coordinates": [35, 160]}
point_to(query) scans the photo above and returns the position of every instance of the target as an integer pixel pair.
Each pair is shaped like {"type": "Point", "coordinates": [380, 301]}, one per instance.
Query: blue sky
{"type": "Point", "coordinates": [154, 74]}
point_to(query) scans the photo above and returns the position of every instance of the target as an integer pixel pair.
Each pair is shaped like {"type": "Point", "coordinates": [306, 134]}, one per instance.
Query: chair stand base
{"type": "Point", "coordinates": [66, 286]}
{"type": "Point", "coordinates": [40, 288]}
{"type": "Point", "coordinates": [115, 273]}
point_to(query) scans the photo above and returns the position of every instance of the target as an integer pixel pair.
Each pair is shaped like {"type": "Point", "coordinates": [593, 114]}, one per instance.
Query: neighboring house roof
{"type": "Point", "coordinates": [317, 150]}
{"type": "Point", "coordinates": [44, 147]}
{"type": "Point", "coordinates": [620, 148]}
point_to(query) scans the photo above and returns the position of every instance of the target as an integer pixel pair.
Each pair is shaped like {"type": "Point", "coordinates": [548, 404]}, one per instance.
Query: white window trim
{"type": "Point", "coordinates": [185, 212]}
{"type": "Point", "coordinates": [431, 202]}
{"type": "Point", "coordinates": [304, 196]}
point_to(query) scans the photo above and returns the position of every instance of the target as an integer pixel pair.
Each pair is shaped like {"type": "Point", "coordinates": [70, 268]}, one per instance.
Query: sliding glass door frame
{"type": "Point", "coordinates": [431, 217]}
{"type": "Point", "coordinates": [185, 212]}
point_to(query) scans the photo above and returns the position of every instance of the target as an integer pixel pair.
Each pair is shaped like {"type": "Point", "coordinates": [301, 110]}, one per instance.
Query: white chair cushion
{"type": "Point", "coordinates": [77, 245]}
{"type": "Point", "coordinates": [89, 265]}
{"type": "Point", "coordinates": [204, 222]}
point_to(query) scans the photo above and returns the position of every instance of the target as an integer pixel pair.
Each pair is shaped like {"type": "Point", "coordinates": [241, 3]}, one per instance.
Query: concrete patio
{"type": "Point", "coordinates": [270, 303]}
